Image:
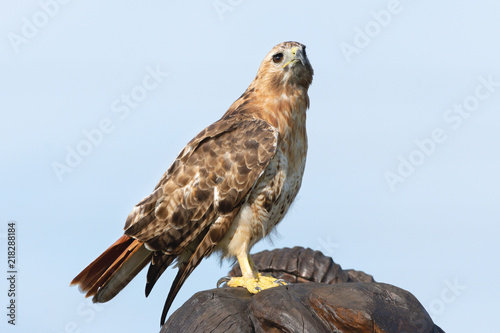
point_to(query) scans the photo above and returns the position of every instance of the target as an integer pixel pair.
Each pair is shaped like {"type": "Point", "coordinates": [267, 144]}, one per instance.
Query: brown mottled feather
{"type": "Point", "coordinates": [191, 206]}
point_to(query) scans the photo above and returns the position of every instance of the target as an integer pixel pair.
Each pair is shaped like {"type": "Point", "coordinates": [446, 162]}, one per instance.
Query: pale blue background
{"type": "Point", "coordinates": [439, 227]}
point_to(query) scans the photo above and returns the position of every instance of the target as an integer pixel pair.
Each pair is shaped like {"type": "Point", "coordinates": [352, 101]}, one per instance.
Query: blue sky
{"type": "Point", "coordinates": [402, 176]}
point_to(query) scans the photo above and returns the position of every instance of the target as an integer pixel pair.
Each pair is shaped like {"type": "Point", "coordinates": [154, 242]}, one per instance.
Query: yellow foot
{"type": "Point", "coordinates": [255, 285]}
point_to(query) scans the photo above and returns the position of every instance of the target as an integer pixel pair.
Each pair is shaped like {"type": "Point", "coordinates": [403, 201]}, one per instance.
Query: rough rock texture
{"type": "Point", "coordinates": [344, 301]}
{"type": "Point", "coordinates": [299, 265]}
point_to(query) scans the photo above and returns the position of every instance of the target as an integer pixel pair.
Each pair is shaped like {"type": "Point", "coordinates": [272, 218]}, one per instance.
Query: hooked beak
{"type": "Point", "coordinates": [298, 55]}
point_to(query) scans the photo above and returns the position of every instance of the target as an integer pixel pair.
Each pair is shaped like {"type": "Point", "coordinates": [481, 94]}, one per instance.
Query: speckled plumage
{"type": "Point", "coordinates": [226, 190]}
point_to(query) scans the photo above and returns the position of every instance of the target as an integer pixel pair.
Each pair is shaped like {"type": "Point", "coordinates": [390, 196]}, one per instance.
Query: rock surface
{"type": "Point", "coordinates": [300, 265]}
{"type": "Point", "coordinates": [322, 298]}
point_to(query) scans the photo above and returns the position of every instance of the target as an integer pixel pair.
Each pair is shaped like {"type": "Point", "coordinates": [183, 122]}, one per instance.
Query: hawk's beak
{"type": "Point", "coordinates": [298, 55]}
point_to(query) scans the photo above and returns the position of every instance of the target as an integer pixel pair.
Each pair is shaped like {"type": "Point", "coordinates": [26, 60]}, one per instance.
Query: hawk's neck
{"type": "Point", "coordinates": [281, 108]}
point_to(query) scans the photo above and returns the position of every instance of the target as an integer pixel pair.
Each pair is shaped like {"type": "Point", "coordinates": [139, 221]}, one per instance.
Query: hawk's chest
{"type": "Point", "coordinates": [269, 200]}
{"type": "Point", "coordinates": [281, 181]}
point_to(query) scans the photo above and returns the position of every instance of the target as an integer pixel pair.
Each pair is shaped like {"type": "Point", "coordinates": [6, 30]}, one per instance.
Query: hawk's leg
{"type": "Point", "coordinates": [252, 280]}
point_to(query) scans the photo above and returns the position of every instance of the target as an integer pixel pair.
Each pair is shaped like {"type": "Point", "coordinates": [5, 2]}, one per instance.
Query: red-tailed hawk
{"type": "Point", "coordinates": [227, 189]}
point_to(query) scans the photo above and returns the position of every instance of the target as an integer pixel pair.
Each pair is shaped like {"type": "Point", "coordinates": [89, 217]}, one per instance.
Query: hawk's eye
{"type": "Point", "coordinates": [278, 57]}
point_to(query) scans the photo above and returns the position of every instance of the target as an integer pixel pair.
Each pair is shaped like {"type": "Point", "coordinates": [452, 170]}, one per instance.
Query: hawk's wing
{"type": "Point", "coordinates": [209, 180]}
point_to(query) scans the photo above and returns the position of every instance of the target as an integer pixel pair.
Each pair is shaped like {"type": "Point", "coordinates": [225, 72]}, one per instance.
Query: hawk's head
{"type": "Point", "coordinates": [282, 81]}
{"type": "Point", "coordinates": [286, 66]}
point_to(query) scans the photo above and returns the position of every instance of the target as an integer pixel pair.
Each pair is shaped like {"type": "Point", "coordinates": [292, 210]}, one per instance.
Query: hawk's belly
{"type": "Point", "coordinates": [267, 203]}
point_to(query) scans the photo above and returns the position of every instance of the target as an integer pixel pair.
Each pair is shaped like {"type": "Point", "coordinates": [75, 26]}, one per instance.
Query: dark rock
{"type": "Point", "coordinates": [335, 305]}
{"type": "Point", "coordinates": [299, 265]}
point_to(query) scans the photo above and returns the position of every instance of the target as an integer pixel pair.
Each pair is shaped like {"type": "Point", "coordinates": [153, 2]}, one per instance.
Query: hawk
{"type": "Point", "coordinates": [226, 190]}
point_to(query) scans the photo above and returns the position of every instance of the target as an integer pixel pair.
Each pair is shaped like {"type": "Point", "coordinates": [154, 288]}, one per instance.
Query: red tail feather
{"type": "Point", "coordinates": [113, 269]}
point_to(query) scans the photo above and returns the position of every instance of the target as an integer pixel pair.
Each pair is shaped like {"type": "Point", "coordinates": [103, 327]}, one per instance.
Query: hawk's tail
{"type": "Point", "coordinates": [113, 269]}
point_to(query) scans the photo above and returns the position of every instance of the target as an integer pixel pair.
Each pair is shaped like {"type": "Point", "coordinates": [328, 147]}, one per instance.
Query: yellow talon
{"type": "Point", "coordinates": [254, 285]}
{"type": "Point", "coordinates": [252, 280]}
